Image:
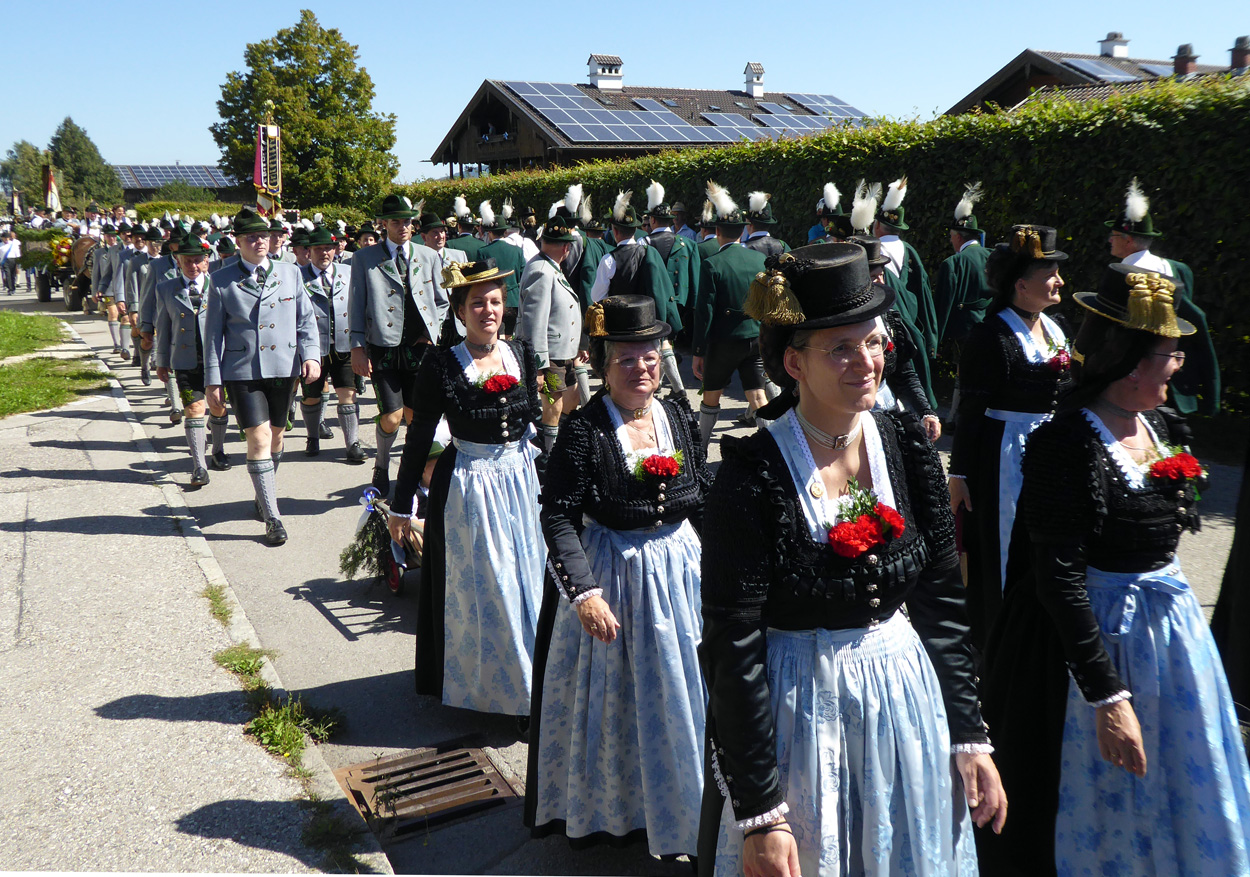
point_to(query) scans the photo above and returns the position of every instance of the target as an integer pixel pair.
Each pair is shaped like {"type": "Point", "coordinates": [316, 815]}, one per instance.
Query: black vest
{"type": "Point", "coordinates": [663, 242]}
{"type": "Point", "coordinates": [629, 269]}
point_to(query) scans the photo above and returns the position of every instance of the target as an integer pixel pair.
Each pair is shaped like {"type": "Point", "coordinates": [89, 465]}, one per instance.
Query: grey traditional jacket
{"type": "Point", "coordinates": [159, 269]}
{"type": "Point", "coordinates": [377, 306]}
{"type": "Point", "coordinates": [178, 323]}
{"type": "Point", "coordinates": [252, 332]}
{"type": "Point", "coordinates": [337, 300]}
{"type": "Point", "coordinates": [550, 317]}
{"type": "Point", "coordinates": [136, 270]}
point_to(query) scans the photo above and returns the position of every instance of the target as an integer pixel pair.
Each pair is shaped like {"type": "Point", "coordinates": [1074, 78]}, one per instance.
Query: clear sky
{"type": "Point", "coordinates": [103, 63]}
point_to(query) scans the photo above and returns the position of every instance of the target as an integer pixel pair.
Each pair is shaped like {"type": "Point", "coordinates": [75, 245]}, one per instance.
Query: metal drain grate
{"type": "Point", "coordinates": [426, 788]}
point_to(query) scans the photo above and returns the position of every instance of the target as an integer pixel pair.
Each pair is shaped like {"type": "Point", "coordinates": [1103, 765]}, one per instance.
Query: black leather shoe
{"type": "Point", "coordinates": [199, 477]}
{"type": "Point", "coordinates": [381, 481]}
{"type": "Point", "coordinates": [355, 453]}
{"type": "Point", "coordinates": [145, 374]}
{"type": "Point", "coordinates": [324, 431]}
{"type": "Point", "coordinates": [313, 448]}
{"type": "Point", "coordinates": [219, 462]}
{"type": "Point", "coordinates": [175, 416]}
{"type": "Point", "coordinates": [275, 533]}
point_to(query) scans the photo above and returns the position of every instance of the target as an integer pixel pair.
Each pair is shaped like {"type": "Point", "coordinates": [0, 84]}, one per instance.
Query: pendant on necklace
{"type": "Point", "coordinates": [818, 490]}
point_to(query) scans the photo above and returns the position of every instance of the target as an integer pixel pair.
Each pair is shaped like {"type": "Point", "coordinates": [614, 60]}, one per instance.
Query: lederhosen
{"type": "Point", "coordinates": [395, 368]}
{"type": "Point", "coordinates": [191, 381]}
{"type": "Point", "coordinates": [334, 365]}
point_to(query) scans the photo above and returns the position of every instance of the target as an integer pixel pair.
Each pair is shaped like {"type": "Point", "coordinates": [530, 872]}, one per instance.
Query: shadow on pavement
{"type": "Point", "coordinates": [359, 607]}
{"type": "Point", "coordinates": [120, 525]}
{"type": "Point", "coordinates": [129, 475]}
{"type": "Point", "coordinates": [225, 707]}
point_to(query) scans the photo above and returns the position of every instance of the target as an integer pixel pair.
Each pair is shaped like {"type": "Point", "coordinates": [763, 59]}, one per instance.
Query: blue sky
{"type": "Point", "coordinates": [906, 59]}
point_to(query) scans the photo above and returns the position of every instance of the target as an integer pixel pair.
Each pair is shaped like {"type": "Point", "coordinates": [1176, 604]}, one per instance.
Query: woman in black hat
{"type": "Point", "coordinates": [618, 744]}
{"type": "Point", "coordinates": [1103, 689]}
{"type": "Point", "coordinates": [1013, 370]}
{"type": "Point", "coordinates": [482, 567]}
{"type": "Point", "coordinates": [834, 717]}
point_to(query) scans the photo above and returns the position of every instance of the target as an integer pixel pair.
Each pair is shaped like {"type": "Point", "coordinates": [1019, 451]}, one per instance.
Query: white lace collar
{"type": "Point", "coordinates": [1032, 350]}
{"type": "Point", "coordinates": [510, 365]}
{"type": "Point", "coordinates": [1134, 472]}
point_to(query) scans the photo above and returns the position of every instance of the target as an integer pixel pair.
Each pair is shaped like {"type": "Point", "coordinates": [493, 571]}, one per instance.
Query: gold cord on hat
{"type": "Point", "coordinates": [594, 322]}
{"type": "Point", "coordinates": [1150, 305]}
{"type": "Point", "coordinates": [453, 274]}
{"type": "Point", "coordinates": [772, 300]}
{"type": "Point", "coordinates": [1027, 240]}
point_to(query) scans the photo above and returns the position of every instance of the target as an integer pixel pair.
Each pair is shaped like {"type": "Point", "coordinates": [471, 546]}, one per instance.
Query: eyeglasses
{"type": "Point", "coordinates": [650, 362]}
{"type": "Point", "coordinates": [844, 353]}
{"type": "Point", "coordinates": [1177, 356]}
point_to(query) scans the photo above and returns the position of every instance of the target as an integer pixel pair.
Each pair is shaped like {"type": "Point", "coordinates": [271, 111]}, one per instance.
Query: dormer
{"type": "Point", "coordinates": [754, 79]}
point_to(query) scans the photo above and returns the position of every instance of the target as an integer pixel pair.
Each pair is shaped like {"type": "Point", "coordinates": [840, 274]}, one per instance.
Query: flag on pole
{"type": "Point", "coordinates": [267, 172]}
{"type": "Point", "coordinates": [51, 195]}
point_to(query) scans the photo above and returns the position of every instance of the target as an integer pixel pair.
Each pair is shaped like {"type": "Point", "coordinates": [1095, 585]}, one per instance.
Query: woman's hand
{"type": "Point", "coordinates": [597, 619]}
{"type": "Point", "coordinates": [959, 494]}
{"type": "Point", "coordinates": [983, 790]}
{"type": "Point", "coordinates": [401, 528]}
{"type": "Point", "coordinates": [1119, 737]}
{"type": "Point", "coordinates": [932, 427]}
{"type": "Point", "coordinates": [771, 854]}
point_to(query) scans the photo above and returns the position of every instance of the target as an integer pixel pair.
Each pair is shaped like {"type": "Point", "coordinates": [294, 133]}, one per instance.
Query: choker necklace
{"type": "Point", "coordinates": [827, 440]}
{"type": "Point", "coordinates": [481, 348]}
{"type": "Point", "coordinates": [635, 413]}
{"type": "Point", "coordinates": [1027, 315]}
{"type": "Point", "coordinates": [1112, 408]}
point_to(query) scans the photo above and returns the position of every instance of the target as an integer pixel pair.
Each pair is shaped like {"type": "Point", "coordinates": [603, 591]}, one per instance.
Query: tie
{"type": "Point", "coordinates": [401, 261]}
{"type": "Point", "coordinates": [260, 275]}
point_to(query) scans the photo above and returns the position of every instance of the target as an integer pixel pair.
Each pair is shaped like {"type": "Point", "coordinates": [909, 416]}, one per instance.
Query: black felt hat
{"type": "Point", "coordinates": [1036, 242]}
{"type": "Point", "coordinates": [299, 237]}
{"type": "Point", "coordinates": [1137, 299]}
{"type": "Point", "coordinates": [153, 233]}
{"type": "Point", "coordinates": [816, 287]}
{"type": "Point", "coordinates": [366, 227]}
{"type": "Point", "coordinates": [1135, 218]}
{"type": "Point", "coordinates": [625, 318]}
{"type": "Point", "coordinates": [872, 247]}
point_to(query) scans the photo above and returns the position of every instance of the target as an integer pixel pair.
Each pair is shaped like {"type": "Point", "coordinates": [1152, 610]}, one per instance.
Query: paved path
{"type": "Point", "coordinates": [350, 644]}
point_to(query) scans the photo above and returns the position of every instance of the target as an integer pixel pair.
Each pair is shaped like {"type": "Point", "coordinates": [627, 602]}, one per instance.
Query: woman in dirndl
{"type": "Point", "coordinates": [483, 559]}
{"type": "Point", "coordinates": [1014, 367]}
{"type": "Point", "coordinates": [844, 732]}
{"type": "Point", "coordinates": [1106, 699]}
{"type": "Point", "coordinates": [617, 739]}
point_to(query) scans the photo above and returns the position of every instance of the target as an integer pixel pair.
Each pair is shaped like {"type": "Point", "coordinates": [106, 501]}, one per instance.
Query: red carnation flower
{"type": "Point", "coordinates": [499, 383]}
{"type": "Point", "coordinates": [663, 467]}
{"type": "Point", "coordinates": [1178, 467]}
{"type": "Point", "coordinates": [853, 538]}
{"type": "Point", "coordinates": [1061, 361]}
{"type": "Point", "coordinates": [890, 518]}
{"type": "Point", "coordinates": [889, 347]}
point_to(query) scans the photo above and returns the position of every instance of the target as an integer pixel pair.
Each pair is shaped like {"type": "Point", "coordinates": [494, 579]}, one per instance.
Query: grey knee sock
{"type": "Point", "coordinates": [385, 440]}
{"type": "Point", "coordinates": [115, 329]}
{"type": "Point", "coordinates": [583, 383]}
{"type": "Point", "coordinates": [348, 419]}
{"type": "Point", "coordinates": [144, 356]}
{"type": "Point", "coordinates": [194, 428]}
{"type": "Point", "coordinates": [707, 422]}
{"type": "Point", "coordinates": [218, 426]}
{"type": "Point", "coordinates": [312, 416]}
{"type": "Point", "coordinates": [264, 480]}
{"type": "Point", "coordinates": [549, 436]}
{"type": "Point", "coordinates": [668, 362]}
{"type": "Point", "coordinates": [123, 333]}
{"type": "Point", "coordinates": [175, 397]}
{"type": "Point", "coordinates": [277, 460]}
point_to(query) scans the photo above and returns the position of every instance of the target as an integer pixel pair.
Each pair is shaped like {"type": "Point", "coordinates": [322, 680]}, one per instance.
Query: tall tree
{"type": "Point", "coordinates": [84, 176]}
{"type": "Point", "coordinates": [335, 149]}
{"type": "Point", "coordinates": [22, 169]}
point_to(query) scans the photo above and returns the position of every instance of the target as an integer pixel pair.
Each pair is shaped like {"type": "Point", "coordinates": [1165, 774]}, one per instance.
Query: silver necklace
{"type": "Point", "coordinates": [481, 348]}
{"type": "Point", "coordinates": [827, 440]}
{"type": "Point", "coordinates": [635, 413]}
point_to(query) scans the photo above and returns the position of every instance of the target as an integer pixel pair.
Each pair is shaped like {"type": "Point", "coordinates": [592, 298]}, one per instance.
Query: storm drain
{"type": "Point", "coordinates": [426, 789]}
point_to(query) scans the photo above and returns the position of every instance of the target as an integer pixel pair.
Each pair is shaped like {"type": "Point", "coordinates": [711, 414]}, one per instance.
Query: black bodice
{"type": "Point", "coordinates": [586, 475]}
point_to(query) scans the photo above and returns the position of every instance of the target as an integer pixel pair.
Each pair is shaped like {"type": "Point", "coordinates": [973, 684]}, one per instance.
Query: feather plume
{"type": "Point", "coordinates": [622, 202]}
{"type": "Point", "coordinates": [460, 207]}
{"type": "Point", "coordinates": [555, 206]}
{"type": "Point", "coordinates": [214, 218]}
{"type": "Point", "coordinates": [721, 202]}
{"type": "Point", "coordinates": [487, 213]}
{"type": "Point", "coordinates": [278, 216]}
{"type": "Point", "coordinates": [584, 211]}
{"type": "Point", "coordinates": [506, 212]}
{"type": "Point", "coordinates": [831, 196]}
{"type": "Point", "coordinates": [972, 194]}
{"type": "Point", "coordinates": [308, 223]}
{"type": "Point", "coordinates": [419, 208]}
{"type": "Point", "coordinates": [708, 212]}
{"type": "Point", "coordinates": [756, 201]}
{"type": "Point", "coordinates": [167, 217]}
{"type": "Point", "coordinates": [1136, 204]}
{"type": "Point", "coordinates": [894, 197]}
{"type": "Point", "coordinates": [572, 198]}
{"type": "Point", "coordinates": [407, 202]}
{"type": "Point", "coordinates": [342, 226]}
{"type": "Point", "coordinates": [655, 195]}
{"type": "Point", "coordinates": [317, 218]}
{"type": "Point", "coordinates": [864, 207]}
{"type": "Point", "coordinates": [177, 216]}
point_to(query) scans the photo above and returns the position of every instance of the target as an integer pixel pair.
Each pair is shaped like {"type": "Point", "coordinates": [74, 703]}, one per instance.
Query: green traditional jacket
{"type": "Point", "coordinates": [708, 247]}
{"type": "Point", "coordinates": [507, 258]}
{"type": "Point", "coordinates": [596, 249]}
{"type": "Point", "coordinates": [657, 283]}
{"type": "Point", "coordinates": [684, 264]}
{"type": "Point", "coordinates": [1196, 387]}
{"type": "Point", "coordinates": [961, 293]}
{"type": "Point", "coordinates": [915, 298]}
{"type": "Point", "coordinates": [467, 244]}
{"type": "Point", "coordinates": [724, 283]}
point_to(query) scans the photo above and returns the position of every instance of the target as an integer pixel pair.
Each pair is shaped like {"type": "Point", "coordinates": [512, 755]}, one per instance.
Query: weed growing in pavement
{"type": "Point", "coordinates": [218, 606]}
{"type": "Point", "coordinates": [243, 661]}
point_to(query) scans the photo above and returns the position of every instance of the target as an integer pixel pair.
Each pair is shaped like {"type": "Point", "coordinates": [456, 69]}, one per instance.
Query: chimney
{"type": "Point", "coordinates": [1114, 46]}
{"type": "Point", "coordinates": [754, 84]}
{"type": "Point", "coordinates": [1241, 53]}
{"type": "Point", "coordinates": [605, 72]}
{"type": "Point", "coordinates": [1183, 60]}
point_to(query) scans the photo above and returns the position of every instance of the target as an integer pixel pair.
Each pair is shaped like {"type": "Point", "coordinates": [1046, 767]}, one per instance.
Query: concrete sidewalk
{"type": "Point", "coordinates": [123, 745]}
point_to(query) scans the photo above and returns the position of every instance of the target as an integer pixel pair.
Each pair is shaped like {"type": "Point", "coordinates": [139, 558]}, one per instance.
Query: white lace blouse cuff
{"type": "Point", "coordinates": [586, 595]}
{"type": "Point", "coordinates": [764, 818]}
{"type": "Point", "coordinates": [972, 749]}
{"type": "Point", "coordinates": [398, 515]}
{"type": "Point", "coordinates": [1115, 698]}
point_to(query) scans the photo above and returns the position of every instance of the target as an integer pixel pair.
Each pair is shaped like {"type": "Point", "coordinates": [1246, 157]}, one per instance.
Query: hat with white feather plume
{"type": "Point", "coordinates": [965, 219]}
{"type": "Point", "coordinates": [760, 208]}
{"type": "Point", "coordinates": [707, 216]}
{"type": "Point", "coordinates": [396, 206]}
{"type": "Point", "coordinates": [490, 221]}
{"type": "Point", "coordinates": [623, 214]}
{"type": "Point", "coordinates": [460, 209]}
{"type": "Point", "coordinates": [891, 215]}
{"type": "Point", "coordinates": [728, 214]}
{"type": "Point", "coordinates": [657, 207]}
{"type": "Point", "coordinates": [827, 206]}
{"type": "Point", "coordinates": [864, 207]}
{"type": "Point", "coordinates": [1135, 219]}
{"type": "Point", "coordinates": [586, 214]}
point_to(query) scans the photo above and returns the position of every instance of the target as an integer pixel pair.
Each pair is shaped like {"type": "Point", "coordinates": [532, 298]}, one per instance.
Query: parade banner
{"type": "Point", "coordinates": [51, 195]}
{"type": "Point", "coordinates": [267, 173]}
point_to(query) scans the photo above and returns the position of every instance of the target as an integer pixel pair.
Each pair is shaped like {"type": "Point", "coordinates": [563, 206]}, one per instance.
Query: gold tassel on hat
{"type": "Point", "coordinates": [595, 327]}
{"type": "Point", "coordinates": [453, 274]}
{"type": "Point", "coordinates": [1150, 305]}
{"type": "Point", "coordinates": [1027, 240]}
{"type": "Point", "coordinates": [771, 299]}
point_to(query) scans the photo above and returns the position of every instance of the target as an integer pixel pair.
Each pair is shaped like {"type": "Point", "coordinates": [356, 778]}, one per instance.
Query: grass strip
{"type": "Point", "coordinates": [218, 606]}
{"type": "Point", "coordinates": [26, 333]}
{"type": "Point", "coordinates": [43, 382]}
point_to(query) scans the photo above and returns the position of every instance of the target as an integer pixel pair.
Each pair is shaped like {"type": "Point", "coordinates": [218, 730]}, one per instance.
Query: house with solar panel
{"type": "Point", "coordinates": [140, 181]}
{"type": "Point", "coordinates": [510, 125]}
{"type": "Point", "coordinates": [1086, 77]}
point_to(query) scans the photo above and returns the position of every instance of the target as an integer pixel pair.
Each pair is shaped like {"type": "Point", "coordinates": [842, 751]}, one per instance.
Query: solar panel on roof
{"type": "Point", "coordinates": [826, 105]}
{"type": "Point", "coordinates": [1158, 69]}
{"type": "Point", "coordinates": [669, 102]}
{"type": "Point", "coordinates": [647, 103]}
{"type": "Point", "coordinates": [1100, 70]}
{"type": "Point", "coordinates": [728, 120]}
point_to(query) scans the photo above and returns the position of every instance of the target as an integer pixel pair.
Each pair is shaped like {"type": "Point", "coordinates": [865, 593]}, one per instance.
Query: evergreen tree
{"type": "Point", "coordinates": [83, 174]}
{"type": "Point", "coordinates": [335, 149]}
{"type": "Point", "coordinates": [22, 169]}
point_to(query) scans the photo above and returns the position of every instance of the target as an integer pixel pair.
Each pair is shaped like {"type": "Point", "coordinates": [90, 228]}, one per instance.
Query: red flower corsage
{"type": "Point", "coordinates": [868, 523]}
{"type": "Point", "coordinates": [1178, 467]}
{"type": "Point", "coordinates": [658, 466]}
{"type": "Point", "coordinates": [499, 383]}
{"type": "Point", "coordinates": [889, 347]}
{"type": "Point", "coordinates": [1060, 362]}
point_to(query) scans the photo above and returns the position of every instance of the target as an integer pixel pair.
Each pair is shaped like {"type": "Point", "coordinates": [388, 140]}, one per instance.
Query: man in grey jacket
{"type": "Point", "coordinates": [397, 311]}
{"type": "Point", "coordinates": [550, 319]}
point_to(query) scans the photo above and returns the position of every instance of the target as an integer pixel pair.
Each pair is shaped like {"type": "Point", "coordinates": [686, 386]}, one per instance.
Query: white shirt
{"type": "Point", "coordinates": [393, 248]}
{"type": "Point", "coordinates": [607, 270]}
{"type": "Point", "coordinates": [1148, 261]}
{"type": "Point", "coordinates": [11, 250]}
{"type": "Point", "coordinates": [893, 247]}
{"type": "Point", "coordinates": [968, 244]}
{"type": "Point", "coordinates": [249, 267]}
{"type": "Point", "coordinates": [528, 247]}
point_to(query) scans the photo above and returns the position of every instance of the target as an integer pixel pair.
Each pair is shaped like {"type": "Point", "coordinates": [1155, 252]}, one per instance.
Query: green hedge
{"type": "Point", "coordinates": [200, 210]}
{"type": "Point", "coordinates": [1054, 162]}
